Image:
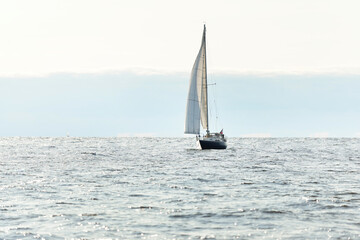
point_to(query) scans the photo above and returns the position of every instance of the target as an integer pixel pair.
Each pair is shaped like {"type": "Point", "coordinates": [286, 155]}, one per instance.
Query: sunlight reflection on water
{"type": "Point", "coordinates": [164, 188]}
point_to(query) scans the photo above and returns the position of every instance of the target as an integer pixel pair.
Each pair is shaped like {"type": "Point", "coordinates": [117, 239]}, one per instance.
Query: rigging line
{"type": "Point", "coordinates": [213, 109]}
{"type": "Point", "coordinates": [216, 109]}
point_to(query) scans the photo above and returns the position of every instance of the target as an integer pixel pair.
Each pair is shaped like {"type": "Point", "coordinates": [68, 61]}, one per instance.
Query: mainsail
{"type": "Point", "coordinates": [197, 103]}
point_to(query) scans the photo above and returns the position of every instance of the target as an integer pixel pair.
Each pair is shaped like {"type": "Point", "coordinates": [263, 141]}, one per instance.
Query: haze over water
{"type": "Point", "coordinates": [164, 188]}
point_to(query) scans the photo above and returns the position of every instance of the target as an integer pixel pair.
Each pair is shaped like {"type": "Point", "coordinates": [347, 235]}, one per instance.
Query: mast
{"type": "Point", "coordinates": [206, 85]}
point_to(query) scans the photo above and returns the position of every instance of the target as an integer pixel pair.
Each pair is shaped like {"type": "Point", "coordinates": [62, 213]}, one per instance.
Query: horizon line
{"type": "Point", "coordinates": [144, 71]}
{"type": "Point", "coordinates": [185, 137]}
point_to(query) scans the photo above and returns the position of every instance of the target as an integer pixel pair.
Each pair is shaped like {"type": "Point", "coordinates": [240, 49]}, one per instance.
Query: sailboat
{"type": "Point", "coordinates": [197, 104]}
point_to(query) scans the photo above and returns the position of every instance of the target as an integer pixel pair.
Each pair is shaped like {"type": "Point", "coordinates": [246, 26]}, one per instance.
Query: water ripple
{"type": "Point", "coordinates": [165, 188]}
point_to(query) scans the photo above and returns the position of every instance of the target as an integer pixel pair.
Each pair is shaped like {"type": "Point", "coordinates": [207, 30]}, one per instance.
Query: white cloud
{"type": "Point", "coordinates": [326, 40]}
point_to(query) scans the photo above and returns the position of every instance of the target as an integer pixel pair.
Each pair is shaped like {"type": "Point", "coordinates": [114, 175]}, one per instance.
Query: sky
{"type": "Point", "coordinates": [121, 68]}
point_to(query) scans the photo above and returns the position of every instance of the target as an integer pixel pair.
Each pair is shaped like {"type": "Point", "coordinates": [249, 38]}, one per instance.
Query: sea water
{"type": "Point", "coordinates": [165, 188]}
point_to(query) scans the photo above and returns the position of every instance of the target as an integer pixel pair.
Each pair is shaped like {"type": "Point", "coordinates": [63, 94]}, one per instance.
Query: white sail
{"type": "Point", "coordinates": [192, 120]}
{"type": "Point", "coordinates": [197, 103]}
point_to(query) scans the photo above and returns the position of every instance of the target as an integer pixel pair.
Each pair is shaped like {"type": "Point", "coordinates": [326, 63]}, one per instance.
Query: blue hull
{"type": "Point", "coordinates": [205, 144]}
